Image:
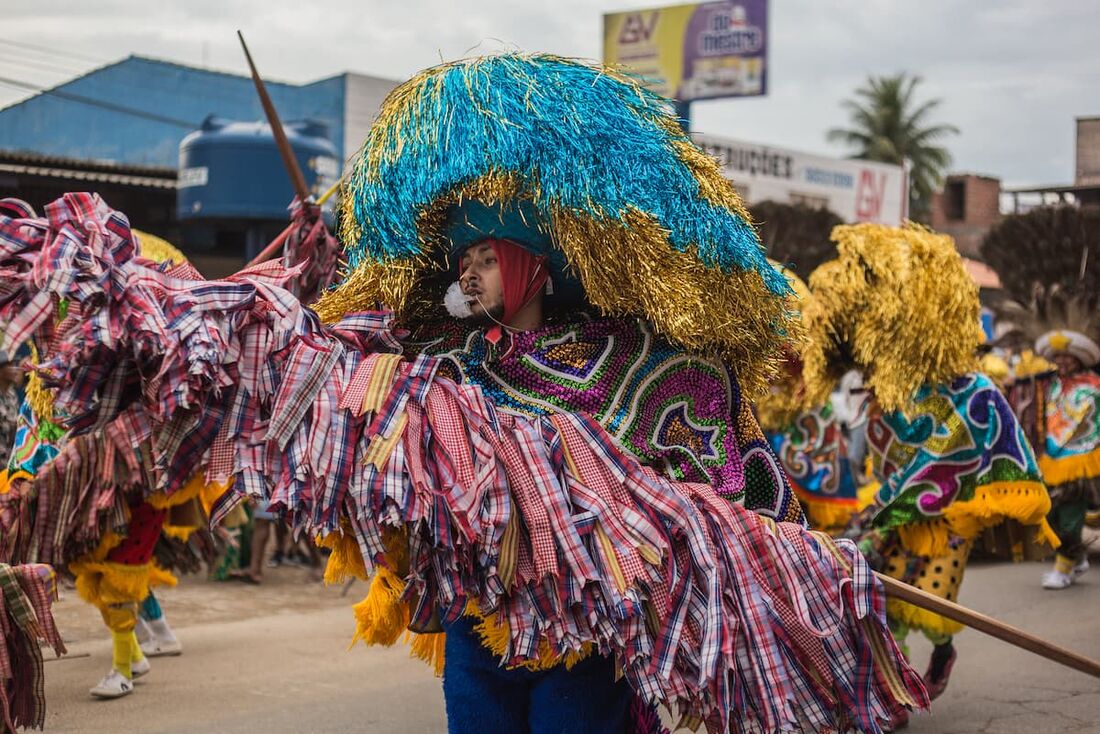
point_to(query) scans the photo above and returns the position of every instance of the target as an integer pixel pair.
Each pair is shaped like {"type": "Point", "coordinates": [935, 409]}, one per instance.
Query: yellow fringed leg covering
{"type": "Point", "coordinates": [122, 655]}
{"type": "Point", "coordinates": [1069, 468]}
{"type": "Point", "coordinates": [940, 575]}
{"type": "Point", "coordinates": [121, 619]}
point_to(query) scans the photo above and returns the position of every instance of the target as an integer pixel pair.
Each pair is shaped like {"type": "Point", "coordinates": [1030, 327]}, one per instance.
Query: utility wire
{"type": "Point", "coordinates": [38, 65]}
{"type": "Point", "coordinates": [100, 103]}
{"type": "Point", "coordinates": [53, 51]}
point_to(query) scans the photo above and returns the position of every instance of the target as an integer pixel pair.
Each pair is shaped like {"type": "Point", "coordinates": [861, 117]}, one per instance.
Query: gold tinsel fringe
{"type": "Point", "coordinates": [829, 517]}
{"type": "Point", "coordinates": [189, 491]}
{"type": "Point", "coordinates": [156, 249]}
{"type": "Point", "coordinates": [898, 305]}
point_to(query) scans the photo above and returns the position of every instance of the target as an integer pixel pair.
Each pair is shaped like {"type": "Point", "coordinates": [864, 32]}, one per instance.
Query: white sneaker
{"type": "Point", "coordinates": [140, 668]}
{"type": "Point", "coordinates": [155, 648]}
{"type": "Point", "coordinates": [1081, 567]}
{"type": "Point", "coordinates": [1055, 579]}
{"type": "Point", "coordinates": [113, 685]}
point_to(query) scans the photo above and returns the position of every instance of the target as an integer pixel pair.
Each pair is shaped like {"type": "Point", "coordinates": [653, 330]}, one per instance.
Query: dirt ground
{"type": "Point", "coordinates": [275, 658]}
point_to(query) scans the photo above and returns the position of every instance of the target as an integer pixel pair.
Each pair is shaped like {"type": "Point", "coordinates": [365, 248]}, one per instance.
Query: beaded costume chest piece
{"type": "Point", "coordinates": [673, 411]}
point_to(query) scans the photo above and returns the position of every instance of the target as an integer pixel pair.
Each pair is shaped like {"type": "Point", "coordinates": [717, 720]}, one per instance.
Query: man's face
{"type": "Point", "coordinates": [479, 276]}
{"type": "Point", "coordinates": [1067, 364]}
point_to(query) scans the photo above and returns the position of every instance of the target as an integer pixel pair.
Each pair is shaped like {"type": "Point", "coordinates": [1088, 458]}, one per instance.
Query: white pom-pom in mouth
{"type": "Point", "coordinates": [456, 302]}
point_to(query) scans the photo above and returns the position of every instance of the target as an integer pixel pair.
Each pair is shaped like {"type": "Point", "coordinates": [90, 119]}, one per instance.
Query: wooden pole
{"type": "Point", "coordinates": [269, 252]}
{"type": "Point", "coordinates": [287, 153]}
{"type": "Point", "coordinates": [988, 625]}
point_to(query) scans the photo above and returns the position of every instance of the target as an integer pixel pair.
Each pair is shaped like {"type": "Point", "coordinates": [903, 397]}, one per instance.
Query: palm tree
{"type": "Point", "coordinates": [889, 126]}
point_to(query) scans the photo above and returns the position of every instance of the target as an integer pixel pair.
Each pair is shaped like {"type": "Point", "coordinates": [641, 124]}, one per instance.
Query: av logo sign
{"type": "Point", "coordinates": [638, 28]}
{"type": "Point", "coordinates": [869, 195]}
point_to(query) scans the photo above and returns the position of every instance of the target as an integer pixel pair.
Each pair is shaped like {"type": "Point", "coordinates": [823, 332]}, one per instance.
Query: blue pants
{"type": "Point", "coordinates": [150, 609]}
{"type": "Point", "coordinates": [481, 696]}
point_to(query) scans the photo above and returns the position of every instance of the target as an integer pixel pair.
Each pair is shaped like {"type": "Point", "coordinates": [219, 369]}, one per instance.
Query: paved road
{"type": "Point", "coordinates": [274, 659]}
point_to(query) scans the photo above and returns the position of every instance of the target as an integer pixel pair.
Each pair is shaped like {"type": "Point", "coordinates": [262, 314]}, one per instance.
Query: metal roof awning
{"type": "Point", "coordinates": [29, 164]}
{"type": "Point", "coordinates": [982, 274]}
{"type": "Point", "coordinates": [1054, 189]}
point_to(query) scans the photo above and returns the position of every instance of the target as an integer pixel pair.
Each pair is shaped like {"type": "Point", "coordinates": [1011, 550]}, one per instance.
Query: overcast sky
{"type": "Point", "coordinates": [1012, 74]}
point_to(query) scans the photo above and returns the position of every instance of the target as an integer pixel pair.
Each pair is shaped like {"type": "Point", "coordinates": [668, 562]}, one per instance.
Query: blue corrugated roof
{"type": "Point", "coordinates": [168, 96]}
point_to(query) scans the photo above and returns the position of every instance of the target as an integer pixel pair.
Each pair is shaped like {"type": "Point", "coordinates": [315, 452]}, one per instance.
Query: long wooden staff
{"type": "Point", "coordinates": [287, 153]}
{"type": "Point", "coordinates": [988, 625]}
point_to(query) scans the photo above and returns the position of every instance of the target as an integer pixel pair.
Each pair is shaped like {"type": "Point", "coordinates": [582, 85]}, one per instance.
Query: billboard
{"type": "Point", "coordinates": [690, 52]}
{"type": "Point", "coordinates": [858, 191]}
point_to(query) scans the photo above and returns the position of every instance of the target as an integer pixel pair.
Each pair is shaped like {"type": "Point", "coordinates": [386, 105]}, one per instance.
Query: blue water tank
{"type": "Point", "coordinates": [232, 170]}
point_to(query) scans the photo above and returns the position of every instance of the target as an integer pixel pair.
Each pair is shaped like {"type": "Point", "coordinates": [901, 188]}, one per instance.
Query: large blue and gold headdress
{"type": "Point", "coordinates": [634, 211]}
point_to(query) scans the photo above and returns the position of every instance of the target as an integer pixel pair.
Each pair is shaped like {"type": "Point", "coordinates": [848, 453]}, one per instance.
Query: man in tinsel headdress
{"type": "Point", "coordinates": [951, 459]}
{"type": "Point", "coordinates": [561, 470]}
{"type": "Point", "coordinates": [1060, 409]}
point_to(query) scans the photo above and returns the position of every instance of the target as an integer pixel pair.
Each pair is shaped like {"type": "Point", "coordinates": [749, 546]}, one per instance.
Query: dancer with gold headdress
{"type": "Point", "coordinates": [812, 445]}
{"type": "Point", "coordinates": [583, 503]}
{"type": "Point", "coordinates": [945, 445]}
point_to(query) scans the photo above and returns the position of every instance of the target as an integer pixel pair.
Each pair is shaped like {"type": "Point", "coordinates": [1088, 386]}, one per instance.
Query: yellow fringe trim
{"type": "Point", "coordinates": [380, 617]}
{"type": "Point", "coordinates": [495, 635]}
{"type": "Point", "coordinates": [103, 583]}
{"type": "Point", "coordinates": [992, 504]}
{"type": "Point", "coordinates": [825, 515]}
{"type": "Point", "coordinates": [921, 619]}
{"type": "Point", "coordinates": [210, 493]}
{"type": "Point", "coordinates": [866, 495]}
{"type": "Point", "coordinates": [189, 491]}
{"type": "Point", "coordinates": [345, 561]}
{"type": "Point", "coordinates": [429, 648]}
{"type": "Point", "coordinates": [179, 532]}
{"type": "Point", "coordinates": [1069, 468]}
{"type": "Point", "coordinates": [7, 478]}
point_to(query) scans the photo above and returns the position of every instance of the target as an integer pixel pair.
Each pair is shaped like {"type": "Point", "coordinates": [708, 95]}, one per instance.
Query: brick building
{"type": "Point", "coordinates": [966, 208]}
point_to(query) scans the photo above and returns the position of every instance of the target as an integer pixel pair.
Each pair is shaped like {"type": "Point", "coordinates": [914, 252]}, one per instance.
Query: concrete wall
{"type": "Point", "coordinates": [363, 97]}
